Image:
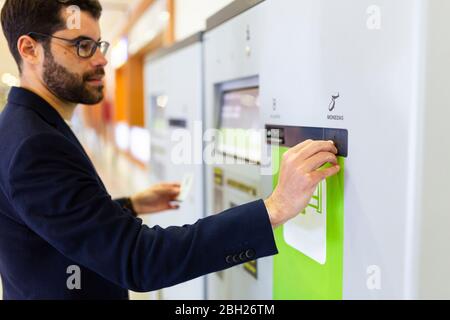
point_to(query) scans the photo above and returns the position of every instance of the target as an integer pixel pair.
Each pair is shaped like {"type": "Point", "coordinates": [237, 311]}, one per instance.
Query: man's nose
{"type": "Point", "coordinates": [99, 59]}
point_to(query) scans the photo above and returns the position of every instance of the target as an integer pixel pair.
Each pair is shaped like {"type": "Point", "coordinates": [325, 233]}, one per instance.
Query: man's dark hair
{"type": "Point", "coordinates": [20, 17]}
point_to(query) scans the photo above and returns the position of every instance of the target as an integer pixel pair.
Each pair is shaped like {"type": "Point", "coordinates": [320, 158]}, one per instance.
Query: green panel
{"type": "Point", "coordinates": [296, 276]}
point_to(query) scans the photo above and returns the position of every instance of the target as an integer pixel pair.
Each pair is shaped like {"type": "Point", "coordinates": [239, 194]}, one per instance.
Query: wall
{"type": "Point", "coordinates": [7, 63]}
{"type": "Point", "coordinates": [191, 15]}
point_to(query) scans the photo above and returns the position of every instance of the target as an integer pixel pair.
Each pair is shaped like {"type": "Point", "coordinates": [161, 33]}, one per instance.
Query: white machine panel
{"type": "Point", "coordinates": [174, 99]}
{"type": "Point", "coordinates": [232, 68]}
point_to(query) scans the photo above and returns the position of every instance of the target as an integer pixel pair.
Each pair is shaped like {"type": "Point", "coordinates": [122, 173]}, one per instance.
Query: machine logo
{"type": "Point", "coordinates": [332, 104]}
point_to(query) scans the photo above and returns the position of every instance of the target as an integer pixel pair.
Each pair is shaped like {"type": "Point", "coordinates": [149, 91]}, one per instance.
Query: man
{"type": "Point", "coordinates": [55, 213]}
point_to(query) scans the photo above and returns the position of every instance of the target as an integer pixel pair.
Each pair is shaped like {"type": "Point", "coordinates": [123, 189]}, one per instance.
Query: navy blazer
{"type": "Point", "coordinates": [55, 213]}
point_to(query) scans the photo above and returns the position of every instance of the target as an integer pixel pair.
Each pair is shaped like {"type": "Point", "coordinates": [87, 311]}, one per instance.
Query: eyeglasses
{"type": "Point", "coordinates": [86, 47]}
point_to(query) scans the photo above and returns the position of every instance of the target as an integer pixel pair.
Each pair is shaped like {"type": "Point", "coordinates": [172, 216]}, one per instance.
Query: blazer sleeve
{"type": "Point", "coordinates": [54, 191]}
{"type": "Point", "coordinates": [125, 204]}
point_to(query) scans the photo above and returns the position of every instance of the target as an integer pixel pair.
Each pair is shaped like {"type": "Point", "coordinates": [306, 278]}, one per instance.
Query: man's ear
{"type": "Point", "coordinates": [30, 50]}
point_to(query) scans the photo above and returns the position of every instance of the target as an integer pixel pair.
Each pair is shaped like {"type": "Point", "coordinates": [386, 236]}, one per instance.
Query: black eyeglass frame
{"type": "Point", "coordinates": [103, 45]}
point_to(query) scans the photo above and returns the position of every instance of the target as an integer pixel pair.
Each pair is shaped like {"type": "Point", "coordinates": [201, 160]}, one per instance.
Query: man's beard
{"type": "Point", "coordinates": [70, 86]}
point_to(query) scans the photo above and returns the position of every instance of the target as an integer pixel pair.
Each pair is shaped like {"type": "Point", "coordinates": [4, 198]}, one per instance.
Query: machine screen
{"type": "Point", "coordinates": [239, 124]}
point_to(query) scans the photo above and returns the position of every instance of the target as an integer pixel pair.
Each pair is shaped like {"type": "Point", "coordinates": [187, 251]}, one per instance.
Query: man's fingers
{"type": "Point", "coordinates": [171, 184]}
{"type": "Point", "coordinates": [170, 188]}
{"type": "Point", "coordinates": [173, 191]}
{"type": "Point", "coordinates": [318, 160]}
{"type": "Point", "coordinates": [302, 145]}
{"type": "Point", "coordinates": [322, 174]}
{"type": "Point", "coordinates": [174, 206]}
{"type": "Point", "coordinates": [316, 147]}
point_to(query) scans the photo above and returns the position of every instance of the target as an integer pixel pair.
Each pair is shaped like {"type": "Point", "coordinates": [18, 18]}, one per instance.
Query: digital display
{"type": "Point", "coordinates": [240, 124]}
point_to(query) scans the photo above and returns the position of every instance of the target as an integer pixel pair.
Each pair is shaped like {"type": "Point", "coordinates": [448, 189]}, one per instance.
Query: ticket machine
{"type": "Point", "coordinates": [233, 135]}
{"type": "Point", "coordinates": [373, 77]}
{"type": "Point", "coordinates": [174, 102]}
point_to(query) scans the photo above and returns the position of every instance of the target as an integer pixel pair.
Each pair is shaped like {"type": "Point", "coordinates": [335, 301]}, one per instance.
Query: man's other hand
{"type": "Point", "coordinates": [158, 198]}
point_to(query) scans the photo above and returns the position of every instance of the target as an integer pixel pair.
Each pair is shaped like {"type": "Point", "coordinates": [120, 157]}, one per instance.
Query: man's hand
{"type": "Point", "coordinates": [300, 174]}
{"type": "Point", "coordinates": [156, 199]}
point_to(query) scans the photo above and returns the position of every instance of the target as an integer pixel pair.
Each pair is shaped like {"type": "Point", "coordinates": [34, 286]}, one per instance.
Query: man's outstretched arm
{"type": "Point", "coordinates": [53, 191]}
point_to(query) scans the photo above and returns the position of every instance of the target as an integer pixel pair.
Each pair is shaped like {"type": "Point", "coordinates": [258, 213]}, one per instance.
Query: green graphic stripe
{"type": "Point", "coordinates": [297, 276]}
